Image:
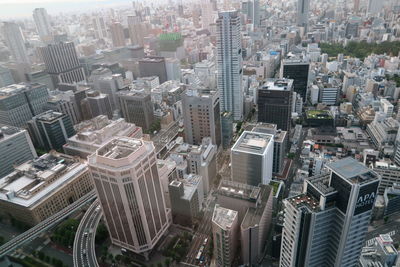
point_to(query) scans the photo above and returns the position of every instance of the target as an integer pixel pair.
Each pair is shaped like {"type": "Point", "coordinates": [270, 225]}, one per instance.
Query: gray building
{"type": "Point", "coordinates": [303, 9]}
{"type": "Point", "coordinates": [381, 253]}
{"type": "Point", "coordinates": [15, 148]}
{"type": "Point", "coordinates": [153, 66]}
{"type": "Point", "coordinates": [185, 202]}
{"type": "Point", "coordinates": [97, 104]}
{"type": "Point", "coordinates": [51, 129]}
{"type": "Point", "coordinates": [6, 77]}
{"type": "Point", "coordinates": [15, 42]}
{"type": "Point", "coordinates": [229, 63]}
{"type": "Point", "coordinates": [254, 206]}
{"type": "Point", "coordinates": [62, 63]}
{"type": "Point", "coordinates": [20, 102]}
{"type": "Point", "coordinates": [226, 129]}
{"type": "Point", "coordinates": [274, 101]}
{"type": "Point", "coordinates": [136, 107]}
{"type": "Point", "coordinates": [42, 23]}
{"type": "Point", "coordinates": [392, 199]}
{"type": "Point", "coordinates": [281, 139]}
{"type": "Point", "coordinates": [252, 157]}
{"type": "Point", "coordinates": [64, 102]}
{"type": "Point", "coordinates": [202, 116]}
{"type": "Point", "coordinates": [326, 225]}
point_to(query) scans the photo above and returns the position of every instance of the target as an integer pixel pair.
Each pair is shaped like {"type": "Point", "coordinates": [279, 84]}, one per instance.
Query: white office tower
{"type": "Point", "coordinates": [326, 224]}
{"type": "Point", "coordinates": [127, 184]}
{"type": "Point", "coordinates": [387, 107]}
{"type": "Point", "coordinates": [229, 62]}
{"type": "Point", "coordinates": [42, 23]}
{"type": "Point", "coordinates": [303, 8]}
{"type": "Point", "coordinates": [225, 228]}
{"type": "Point", "coordinates": [252, 158]}
{"type": "Point", "coordinates": [15, 41]}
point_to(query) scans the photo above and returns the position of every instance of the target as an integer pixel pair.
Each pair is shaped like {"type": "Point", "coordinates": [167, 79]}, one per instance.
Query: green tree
{"type": "Point", "coordinates": [167, 262]}
{"type": "Point", "coordinates": [101, 234]}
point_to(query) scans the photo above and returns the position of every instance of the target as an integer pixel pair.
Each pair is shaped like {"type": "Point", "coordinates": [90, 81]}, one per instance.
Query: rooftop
{"type": "Point", "coordinates": [223, 217]}
{"type": "Point", "coordinates": [239, 190]}
{"type": "Point", "coordinates": [277, 84]}
{"type": "Point", "coordinates": [15, 89]}
{"type": "Point", "coordinates": [352, 170]}
{"type": "Point", "coordinates": [120, 148]}
{"type": "Point", "coordinates": [252, 142]}
{"type": "Point", "coordinates": [318, 114]}
{"type": "Point", "coordinates": [49, 116]}
{"type": "Point", "coordinates": [37, 179]}
{"type": "Point", "coordinates": [7, 131]}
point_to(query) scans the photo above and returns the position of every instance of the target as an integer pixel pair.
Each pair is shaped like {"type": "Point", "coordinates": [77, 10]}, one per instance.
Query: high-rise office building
{"type": "Point", "coordinates": [127, 184]}
{"type": "Point", "coordinates": [99, 27]}
{"type": "Point", "coordinates": [252, 157]}
{"type": "Point", "coordinates": [225, 228]}
{"type": "Point", "coordinates": [15, 148]}
{"type": "Point", "coordinates": [229, 62]}
{"type": "Point", "coordinates": [6, 77]}
{"type": "Point", "coordinates": [136, 31]}
{"type": "Point", "coordinates": [15, 42]}
{"type": "Point", "coordinates": [374, 7]}
{"type": "Point", "coordinates": [153, 66]}
{"type": "Point", "coordinates": [62, 63]}
{"type": "Point", "coordinates": [280, 144]}
{"type": "Point", "coordinates": [201, 117]}
{"type": "Point", "coordinates": [64, 102]}
{"type": "Point", "coordinates": [42, 23]}
{"type": "Point", "coordinates": [207, 14]}
{"type": "Point", "coordinates": [226, 129]}
{"type": "Point", "coordinates": [51, 129]}
{"type": "Point", "coordinates": [274, 100]}
{"type": "Point", "coordinates": [297, 70]}
{"type": "Point", "coordinates": [136, 107]}
{"type": "Point", "coordinates": [327, 224]}
{"type": "Point", "coordinates": [303, 10]}
{"type": "Point", "coordinates": [117, 34]}
{"type": "Point", "coordinates": [109, 85]}
{"type": "Point", "coordinates": [96, 104]}
{"type": "Point", "coordinates": [20, 102]}
{"type": "Point", "coordinates": [252, 10]}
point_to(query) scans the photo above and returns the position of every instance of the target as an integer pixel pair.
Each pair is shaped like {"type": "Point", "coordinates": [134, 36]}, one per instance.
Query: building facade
{"type": "Point", "coordinates": [229, 63]}
{"type": "Point", "coordinates": [127, 184]}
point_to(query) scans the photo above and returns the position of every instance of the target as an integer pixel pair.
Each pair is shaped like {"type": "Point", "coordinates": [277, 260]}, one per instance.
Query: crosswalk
{"type": "Point", "coordinates": [370, 242]}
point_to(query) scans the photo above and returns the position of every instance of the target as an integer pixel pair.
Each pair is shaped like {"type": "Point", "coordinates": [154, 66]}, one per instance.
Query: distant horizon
{"type": "Point", "coordinates": [21, 9]}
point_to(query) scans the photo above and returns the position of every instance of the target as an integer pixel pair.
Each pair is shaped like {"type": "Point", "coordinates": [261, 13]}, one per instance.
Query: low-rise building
{"type": "Point", "coordinates": [381, 253]}
{"type": "Point", "coordinates": [39, 188]}
{"type": "Point", "coordinates": [96, 132]}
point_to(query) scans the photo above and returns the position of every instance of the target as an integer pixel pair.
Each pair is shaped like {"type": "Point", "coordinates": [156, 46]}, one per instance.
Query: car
{"type": "Point", "coordinates": [84, 251]}
{"type": "Point", "coordinates": [85, 234]}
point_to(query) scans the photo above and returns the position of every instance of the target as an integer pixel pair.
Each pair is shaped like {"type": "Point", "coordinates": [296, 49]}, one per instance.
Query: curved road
{"type": "Point", "coordinates": [84, 253]}
{"type": "Point", "coordinates": [43, 226]}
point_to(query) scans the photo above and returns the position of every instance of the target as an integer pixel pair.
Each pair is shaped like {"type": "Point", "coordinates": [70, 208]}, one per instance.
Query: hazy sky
{"type": "Point", "coordinates": [24, 8]}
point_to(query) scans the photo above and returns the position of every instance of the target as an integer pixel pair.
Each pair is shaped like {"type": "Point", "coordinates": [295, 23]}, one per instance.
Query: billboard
{"type": "Point", "coordinates": [366, 197]}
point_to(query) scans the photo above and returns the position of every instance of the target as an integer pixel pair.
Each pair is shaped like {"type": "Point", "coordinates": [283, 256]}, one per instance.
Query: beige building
{"type": "Point", "coordinates": [225, 225]}
{"type": "Point", "coordinates": [94, 133]}
{"type": "Point", "coordinates": [41, 187]}
{"type": "Point", "coordinates": [128, 186]}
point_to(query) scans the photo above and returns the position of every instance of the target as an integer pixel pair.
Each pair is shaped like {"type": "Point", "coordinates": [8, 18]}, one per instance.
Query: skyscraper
{"type": "Point", "coordinates": [201, 117]}
{"type": "Point", "coordinates": [136, 107]}
{"type": "Point", "coordinates": [15, 148]}
{"type": "Point", "coordinates": [42, 23]}
{"type": "Point", "coordinates": [374, 7]}
{"type": "Point", "coordinates": [62, 63]}
{"type": "Point", "coordinates": [15, 42]}
{"type": "Point", "coordinates": [229, 61]}
{"type": "Point", "coordinates": [298, 70]}
{"type": "Point", "coordinates": [20, 102]}
{"type": "Point", "coordinates": [252, 157]}
{"type": "Point", "coordinates": [117, 34]}
{"type": "Point", "coordinates": [274, 100]}
{"type": "Point", "coordinates": [303, 8]}
{"type": "Point", "coordinates": [207, 13]}
{"type": "Point", "coordinates": [99, 27]}
{"type": "Point", "coordinates": [127, 184]}
{"type": "Point", "coordinates": [136, 32]}
{"type": "Point", "coordinates": [51, 129]}
{"type": "Point", "coordinates": [327, 224]}
{"type": "Point", "coordinates": [225, 228]}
